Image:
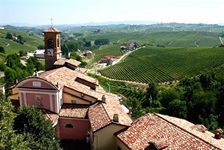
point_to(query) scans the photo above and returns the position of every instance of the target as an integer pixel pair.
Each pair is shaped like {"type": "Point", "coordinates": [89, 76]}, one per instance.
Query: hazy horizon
{"type": "Point", "coordinates": [102, 11]}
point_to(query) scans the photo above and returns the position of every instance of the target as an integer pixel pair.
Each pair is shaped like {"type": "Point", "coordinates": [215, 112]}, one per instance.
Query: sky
{"type": "Point", "coordinates": [39, 12]}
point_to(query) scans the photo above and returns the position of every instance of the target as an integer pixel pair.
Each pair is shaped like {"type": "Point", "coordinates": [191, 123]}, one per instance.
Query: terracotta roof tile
{"type": "Point", "coordinates": [176, 134]}
{"type": "Point", "coordinates": [50, 115]}
{"type": "Point", "coordinates": [73, 62]}
{"type": "Point", "coordinates": [101, 114]}
{"type": "Point", "coordinates": [52, 29]}
{"type": "Point", "coordinates": [65, 77]}
{"type": "Point", "coordinates": [60, 62]}
{"type": "Point", "coordinates": [77, 111]}
{"type": "Point", "coordinates": [98, 116]}
{"type": "Point", "coordinates": [82, 70]}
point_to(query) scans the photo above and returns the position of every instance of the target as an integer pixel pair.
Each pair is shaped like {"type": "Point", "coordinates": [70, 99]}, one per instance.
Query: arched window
{"type": "Point", "coordinates": [69, 126]}
{"type": "Point", "coordinates": [50, 43]}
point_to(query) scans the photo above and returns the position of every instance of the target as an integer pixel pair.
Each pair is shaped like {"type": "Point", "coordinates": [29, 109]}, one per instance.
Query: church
{"type": "Point", "coordinates": [75, 103]}
{"type": "Point", "coordinates": [79, 109]}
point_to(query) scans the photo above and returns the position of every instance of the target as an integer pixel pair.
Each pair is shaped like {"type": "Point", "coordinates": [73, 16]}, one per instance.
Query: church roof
{"type": "Point", "coordinates": [52, 29]}
{"type": "Point", "coordinates": [167, 132]}
{"type": "Point", "coordinates": [66, 77]}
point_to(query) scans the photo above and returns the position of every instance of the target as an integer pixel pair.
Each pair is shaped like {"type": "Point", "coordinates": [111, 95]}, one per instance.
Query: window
{"type": "Point", "coordinates": [69, 126]}
{"type": "Point", "coordinates": [50, 43]}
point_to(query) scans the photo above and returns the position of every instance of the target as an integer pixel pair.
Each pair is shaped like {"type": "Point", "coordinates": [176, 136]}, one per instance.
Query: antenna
{"type": "Point", "coordinates": [51, 22]}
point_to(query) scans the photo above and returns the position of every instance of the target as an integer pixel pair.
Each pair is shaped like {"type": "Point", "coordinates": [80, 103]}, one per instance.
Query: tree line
{"type": "Point", "coordinates": [199, 100]}
{"type": "Point", "coordinates": [15, 71]}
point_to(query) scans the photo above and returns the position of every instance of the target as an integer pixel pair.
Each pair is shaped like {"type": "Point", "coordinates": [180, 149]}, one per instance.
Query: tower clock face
{"type": "Point", "coordinates": [50, 43]}
{"type": "Point", "coordinates": [50, 52]}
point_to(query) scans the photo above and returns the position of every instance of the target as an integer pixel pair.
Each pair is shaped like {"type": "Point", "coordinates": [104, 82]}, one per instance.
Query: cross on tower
{"type": "Point", "coordinates": [51, 22]}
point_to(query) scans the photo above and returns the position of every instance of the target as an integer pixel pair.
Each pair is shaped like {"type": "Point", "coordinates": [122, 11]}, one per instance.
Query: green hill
{"type": "Point", "coordinates": [167, 39]}
{"type": "Point", "coordinates": [10, 46]}
{"type": "Point", "coordinates": [165, 64]}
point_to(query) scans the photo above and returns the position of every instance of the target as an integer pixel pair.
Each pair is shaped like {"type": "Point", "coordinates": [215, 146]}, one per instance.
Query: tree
{"type": "Point", "coordinates": [8, 35]}
{"type": "Point", "coordinates": [102, 42]}
{"type": "Point", "coordinates": [177, 108]}
{"type": "Point", "coordinates": [20, 39]}
{"type": "Point", "coordinates": [151, 94]}
{"type": "Point", "coordinates": [40, 47]}
{"type": "Point", "coordinates": [38, 130]}
{"type": "Point", "coordinates": [9, 140]}
{"type": "Point", "coordinates": [168, 96]}
{"type": "Point", "coordinates": [87, 44]}
{"type": "Point", "coordinates": [2, 50]}
{"type": "Point", "coordinates": [22, 53]}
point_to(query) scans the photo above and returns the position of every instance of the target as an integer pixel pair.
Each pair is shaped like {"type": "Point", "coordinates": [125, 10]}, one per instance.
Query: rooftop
{"type": "Point", "coordinates": [52, 29]}
{"type": "Point", "coordinates": [73, 62]}
{"type": "Point", "coordinates": [101, 114]}
{"type": "Point", "coordinates": [66, 77]}
{"type": "Point", "coordinates": [75, 111]}
{"type": "Point", "coordinates": [168, 132]}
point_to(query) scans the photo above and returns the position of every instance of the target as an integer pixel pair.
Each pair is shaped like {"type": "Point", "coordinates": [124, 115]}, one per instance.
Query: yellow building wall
{"type": "Point", "coordinates": [104, 139]}
{"type": "Point", "coordinates": [121, 145]}
{"type": "Point", "coordinates": [67, 99]}
{"type": "Point", "coordinates": [15, 95]}
{"type": "Point", "coordinates": [15, 90]}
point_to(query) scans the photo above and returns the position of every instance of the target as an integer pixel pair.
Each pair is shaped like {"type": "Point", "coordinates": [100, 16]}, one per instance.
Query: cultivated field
{"type": "Point", "coordinates": [165, 64]}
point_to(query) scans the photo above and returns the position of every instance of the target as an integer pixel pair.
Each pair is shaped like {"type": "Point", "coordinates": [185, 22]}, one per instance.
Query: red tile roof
{"type": "Point", "coordinates": [60, 62]}
{"type": "Point", "coordinates": [52, 29]}
{"type": "Point", "coordinates": [169, 133]}
{"type": "Point", "coordinates": [101, 114]}
{"type": "Point", "coordinates": [73, 62]}
{"type": "Point", "coordinates": [50, 115]}
{"type": "Point", "coordinates": [65, 77]}
{"type": "Point", "coordinates": [71, 110]}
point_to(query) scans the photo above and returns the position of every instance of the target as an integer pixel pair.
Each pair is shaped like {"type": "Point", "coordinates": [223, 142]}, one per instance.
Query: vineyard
{"type": "Point", "coordinates": [165, 64]}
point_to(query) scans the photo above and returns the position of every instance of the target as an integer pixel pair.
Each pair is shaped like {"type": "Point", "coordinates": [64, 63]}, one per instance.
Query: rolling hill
{"type": "Point", "coordinates": [165, 64]}
{"type": "Point", "coordinates": [10, 46]}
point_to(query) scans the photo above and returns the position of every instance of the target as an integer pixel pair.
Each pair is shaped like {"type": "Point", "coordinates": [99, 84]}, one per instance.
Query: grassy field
{"type": "Point", "coordinates": [31, 41]}
{"type": "Point", "coordinates": [165, 64]}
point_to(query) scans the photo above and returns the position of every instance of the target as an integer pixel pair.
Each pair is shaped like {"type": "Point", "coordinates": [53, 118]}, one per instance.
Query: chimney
{"type": "Point", "coordinates": [104, 99]}
{"type": "Point", "coordinates": [218, 133]}
{"type": "Point", "coordinates": [115, 118]}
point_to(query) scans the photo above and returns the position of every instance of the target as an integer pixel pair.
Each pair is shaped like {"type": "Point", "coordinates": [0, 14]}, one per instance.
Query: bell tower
{"type": "Point", "coordinates": [52, 47]}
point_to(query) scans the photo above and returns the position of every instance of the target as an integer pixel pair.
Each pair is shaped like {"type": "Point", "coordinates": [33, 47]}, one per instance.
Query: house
{"type": "Point", "coordinates": [156, 132]}
{"type": "Point", "coordinates": [87, 53]}
{"type": "Point", "coordinates": [76, 104]}
{"type": "Point", "coordinates": [2, 27]}
{"type": "Point", "coordinates": [108, 59]}
{"type": "Point", "coordinates": [39, 53]}
{"type": "Point", "coordinates": [14, 37]}
{"type": "Point", "coordinates": [131, 46]}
